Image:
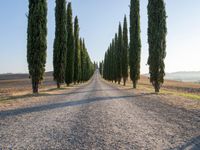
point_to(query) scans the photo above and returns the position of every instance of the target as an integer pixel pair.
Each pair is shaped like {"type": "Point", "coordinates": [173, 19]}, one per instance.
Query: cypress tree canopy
{"type": "Point", "coordinates": [157, 32]}
{"type": "Point", "coordinates": [77, 58]}
{"type": "Point", "coordinates": [125, 52]}
{"type": "Point", "coordinates": [36, 41]}
{"type": "Point", "coordinates": [119, 53]}
{"type": "Point", "coordinates": [69, 71]}
{"type": "Point", "coordinates": [135, 42]}
{"type": "Point", "coordinates": [60, 42]}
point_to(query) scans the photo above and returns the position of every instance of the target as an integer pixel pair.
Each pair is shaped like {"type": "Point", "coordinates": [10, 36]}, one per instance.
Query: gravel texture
{"type": "Point", "coordinates": [100, 116]}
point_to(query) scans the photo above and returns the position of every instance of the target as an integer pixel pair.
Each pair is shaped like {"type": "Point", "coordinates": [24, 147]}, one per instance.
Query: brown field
{"type": "Point", "coordinates": [176, 86]}
{"type": "Point", "coordinates": [19, 84]}
{"type": "Point", "coordinates": [16, 86]}
{"type": "Point", "coordinates": [180, 94]}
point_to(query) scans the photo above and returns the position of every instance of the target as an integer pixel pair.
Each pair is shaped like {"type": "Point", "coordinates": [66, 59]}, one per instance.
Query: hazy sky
{"type": "Point", "coordinates": [98, 22]}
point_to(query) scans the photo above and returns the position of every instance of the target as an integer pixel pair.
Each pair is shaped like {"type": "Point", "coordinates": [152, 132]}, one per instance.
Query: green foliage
{"type": "Point", "coordinates": [125, 52]}
{"type": "Point", "coordinates": [60, 42]}
{"type": "Point", "coordinates": [135, 42]}
{"type": "Point", "coordinates": [77, 58]}
{"type": "Point", "coordinates": [36, 41]}
{"type": "Point", "coordinates": [119, 54]}
{"type": "Point", "coordinates": [101, 68]}
{"type": "Point", "coordinates": [116, 68]}
{"type": "Point", "coordinates": [69, 71]}
{"type": "Point", "coordinates": [157, 32]}
{"type": "Point", "coordinates": [87, 67]}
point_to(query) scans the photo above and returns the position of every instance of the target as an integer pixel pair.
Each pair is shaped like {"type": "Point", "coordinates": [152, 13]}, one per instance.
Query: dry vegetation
{"type": "Point", "coordinates": [173, 92]}
{"type": "Point", "coordinates": [16, 90]}
{"type": "Point", "coordinates": [180, 94]}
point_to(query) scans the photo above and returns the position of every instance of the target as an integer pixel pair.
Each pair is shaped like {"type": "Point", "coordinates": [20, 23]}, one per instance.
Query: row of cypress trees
{"type": "Point", "coordinates": [119, 53]}
{"type": "Point", "coordinates": [71, 60]}
{"type": "Point", "coordinates": [115, 66]}
{"type": "Point", "coordinates": [70, 52]}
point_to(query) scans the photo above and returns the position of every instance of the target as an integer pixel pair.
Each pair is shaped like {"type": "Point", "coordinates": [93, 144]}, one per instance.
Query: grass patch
{"type": "Point", "coordinates": [10, 98]}
{"type": "Point", "coordinates": [171, 92]}
{"type": "Point", "coordinates": [186, 95]}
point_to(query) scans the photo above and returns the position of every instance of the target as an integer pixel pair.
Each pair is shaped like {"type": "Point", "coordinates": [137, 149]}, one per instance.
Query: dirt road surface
{"type": "Point", "coordinates": [100, 116]}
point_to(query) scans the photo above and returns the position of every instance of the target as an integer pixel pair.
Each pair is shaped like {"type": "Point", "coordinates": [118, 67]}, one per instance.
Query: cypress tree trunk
{"type": "Point", "coordinates": [58, 85]}
{"type": "Point", "coordinates": [35, 86]}
{"type": "Point", "coordinates": [134, 84]}
{"type": "Point", "coordinates": [124, 80]}
{"type": "Point", "coordinates": [69, 71]}
{"type": "Point", "coordinates": [36, 41]}
{"type": "Point", "coordinates": [60, 42]}
{"type": "Point", "coordinates": [157, 87]}
{"type": "Point", "coordinates": [135, 42]}
{"type": "Point", "coordinates": [157, 32]}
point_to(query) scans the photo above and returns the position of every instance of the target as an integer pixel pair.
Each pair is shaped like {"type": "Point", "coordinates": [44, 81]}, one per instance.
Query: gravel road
{"type": "Point", "coordinates": [100, 116]}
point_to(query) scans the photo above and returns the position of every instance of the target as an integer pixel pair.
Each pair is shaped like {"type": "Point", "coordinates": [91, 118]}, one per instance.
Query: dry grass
{"type": "Point", "coordinates": [15, 93]}
{"type": "Point", "coordinates": [176, 93]}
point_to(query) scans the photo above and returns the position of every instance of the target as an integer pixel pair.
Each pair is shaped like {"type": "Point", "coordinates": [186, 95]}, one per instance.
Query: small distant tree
{"type": "Point", "coordinates": [69, 71]}
{"type": "Point", "coordinates": [125, 52]}
{"type": "Point", "coordinates": [60, 42]}
{"type": "Point", "coordinates": [77, 59]}
{"type": "Point", "coordinates": [101, 68]}
{"type": "Point", "coordinates": [135, 42]}
{"type": "Point", "coordinates": [157, 31]}
{"type": "Point", "coordinates": [36, 41]}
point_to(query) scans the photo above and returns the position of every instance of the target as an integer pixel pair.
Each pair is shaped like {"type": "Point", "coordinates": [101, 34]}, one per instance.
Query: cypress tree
{"type": "Point", "coordinates": [135, 42]}
{"type": "Point", "coordinates": [36, 41]}
{"type": "Point", "coordinates": [60, 42]}
{"type": "Point", "coordinates": [119, 54]}
{"type": "Point", "coordinates": [77, 59]}
{"type": "Point", "coordinates": [157, 31]}
{"type": "Point", "coordinates": [101, 68]}
{"type": "Point", "coordinates": [112, 61]}
{"type": "Point", "coordinates": [125, 52]}
{"type": "Point", "coordinates": [83, 59]}
{"type": "Point", "coordinates": [69, 71]}
{"type": "Point", "coordinates": [116, 58]}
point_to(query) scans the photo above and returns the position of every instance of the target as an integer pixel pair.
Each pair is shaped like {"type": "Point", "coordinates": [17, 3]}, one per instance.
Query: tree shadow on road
{"type": "Point", "coordinates": [71, 103]}
{"type": "Point", "coordinates": [192, 144]}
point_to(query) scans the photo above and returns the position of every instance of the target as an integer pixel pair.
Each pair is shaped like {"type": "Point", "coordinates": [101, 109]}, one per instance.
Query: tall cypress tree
{"type": "Point", "coordinates": [135, 42]}
{"type": "Point", "coordinates": [36, 41]}
{"type": "Point", "coordinates": [69, 71]}
{"type": "Point", "coordinates": [77, 59]}
{"type": "Point", "coordinates": [125, 52]}
{"type": "Point", "coordinates": [116, 58]}
{"type": "Point", "coordinates": [119, 54]}
{"type": "Point", "coordinates": [157, 31]}
{"type": "Point", "coordinates": [83, 59]}
{"type": "Point", "coordinates": [60, 42]}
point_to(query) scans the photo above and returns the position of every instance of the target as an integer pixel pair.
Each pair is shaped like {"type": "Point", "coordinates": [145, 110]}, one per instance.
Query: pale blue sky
{"type": "Point", "coordinates": [98, 22]}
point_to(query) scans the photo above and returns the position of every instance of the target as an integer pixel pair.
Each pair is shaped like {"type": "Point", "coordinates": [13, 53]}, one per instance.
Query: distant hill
{"type": "Point", "coordinates": [10, 76]}
{"type": "Point", "coordinates": [185, 76]}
